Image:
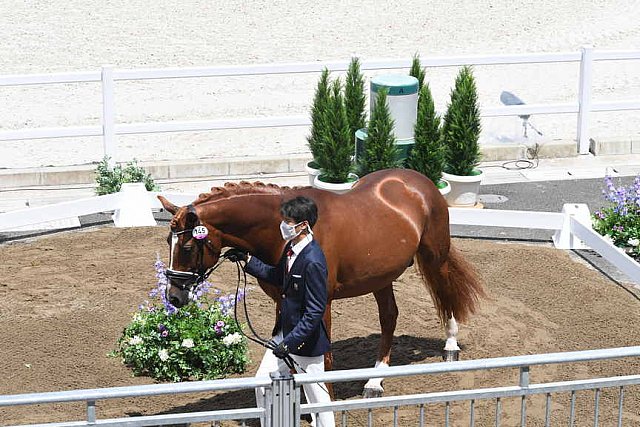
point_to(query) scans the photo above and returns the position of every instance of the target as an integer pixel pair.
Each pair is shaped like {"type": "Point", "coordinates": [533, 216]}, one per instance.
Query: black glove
{"type": "Point", "coordinates": [235, 255]}
{"type": "Point", "coordinates": [280, 351]}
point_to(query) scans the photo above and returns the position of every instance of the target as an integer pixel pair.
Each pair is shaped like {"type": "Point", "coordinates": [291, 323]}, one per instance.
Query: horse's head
{"type": "Point", "coordinates": [194, 247]}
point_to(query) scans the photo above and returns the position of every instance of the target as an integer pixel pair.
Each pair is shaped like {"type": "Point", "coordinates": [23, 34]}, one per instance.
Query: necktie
{"type": "Point", "coordinates": [289, 255]}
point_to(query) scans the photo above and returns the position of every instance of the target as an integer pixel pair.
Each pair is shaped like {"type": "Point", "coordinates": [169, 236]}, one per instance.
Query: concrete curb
{"type": "Point", "coordinates": [212, 168]}
{"type": "Point", "coordinates": [161, 171]}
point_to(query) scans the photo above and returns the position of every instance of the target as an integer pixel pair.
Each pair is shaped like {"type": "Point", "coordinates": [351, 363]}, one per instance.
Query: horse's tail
{"type": "Point", "coordinates": [454, 284]}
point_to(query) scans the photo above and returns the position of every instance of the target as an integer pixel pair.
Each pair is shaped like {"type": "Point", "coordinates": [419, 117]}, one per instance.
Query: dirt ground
{"type": "Point", "coordinates": [64, 300]}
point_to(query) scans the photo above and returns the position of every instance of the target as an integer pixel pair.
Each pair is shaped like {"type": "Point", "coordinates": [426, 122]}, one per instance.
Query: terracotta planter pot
{"type": "Point", "coordinates": [464, 189]}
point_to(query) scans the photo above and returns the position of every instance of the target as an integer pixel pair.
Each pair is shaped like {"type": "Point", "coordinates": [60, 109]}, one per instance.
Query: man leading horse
{"type": "Point", "coordinates": [301, 273]}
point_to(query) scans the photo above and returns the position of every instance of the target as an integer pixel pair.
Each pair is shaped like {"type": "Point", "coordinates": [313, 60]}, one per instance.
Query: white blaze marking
{"type": "Point", "coordinates": [174, 241]}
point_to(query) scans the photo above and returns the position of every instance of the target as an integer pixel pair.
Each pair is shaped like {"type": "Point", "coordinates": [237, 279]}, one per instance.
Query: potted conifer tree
{"type": "Point", "coordinates": [460, 134]}
{"type": "Point", "coordinates": [318, 123]}
{"type": "Point", "coordinates": [417, 71]}
{"type": "Point", "coordinates": [336, 146]}
{"type": "Point", "coordinates": [354, 97]}
{"type": "Point", "coordinates": [427, 154]}
{"type": "Point", "coordinates": [380, 149]}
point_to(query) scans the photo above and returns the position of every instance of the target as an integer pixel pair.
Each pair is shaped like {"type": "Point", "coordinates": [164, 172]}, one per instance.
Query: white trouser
{"type": "Point", "coordinates": [315, 393]}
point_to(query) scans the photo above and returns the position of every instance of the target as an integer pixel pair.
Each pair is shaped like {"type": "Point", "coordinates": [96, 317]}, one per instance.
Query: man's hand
{"type": "Point", "coordinates": [280, 351]}
{"type": "Point", "coordinates": [235, 255]}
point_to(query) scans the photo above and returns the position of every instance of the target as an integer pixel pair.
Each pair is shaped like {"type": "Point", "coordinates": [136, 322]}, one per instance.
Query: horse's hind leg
{"type": "Point", "coordinates": [388, 312]}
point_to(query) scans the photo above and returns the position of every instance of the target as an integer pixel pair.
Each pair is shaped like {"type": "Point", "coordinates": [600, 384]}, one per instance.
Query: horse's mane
{"type": "Point", "coordinates": [242, 188]}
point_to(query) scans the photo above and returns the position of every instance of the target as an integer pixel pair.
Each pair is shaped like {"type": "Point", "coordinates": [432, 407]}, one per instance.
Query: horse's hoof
{"type": "Point", "coordinates": [369, 393]}
{"type": "Point", "coordinates": [451, 355]}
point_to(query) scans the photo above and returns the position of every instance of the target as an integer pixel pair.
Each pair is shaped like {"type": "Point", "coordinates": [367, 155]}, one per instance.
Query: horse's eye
{"type": "Point", "coordinates": [187, 249]}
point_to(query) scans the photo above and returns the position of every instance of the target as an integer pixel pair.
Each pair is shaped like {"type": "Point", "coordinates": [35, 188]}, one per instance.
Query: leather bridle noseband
{"type": "Point", "coordinates": [186, 279]}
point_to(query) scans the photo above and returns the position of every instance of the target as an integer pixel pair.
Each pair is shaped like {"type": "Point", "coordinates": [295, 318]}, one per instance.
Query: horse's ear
{"type": "Point", "coordinates": [169, 207]}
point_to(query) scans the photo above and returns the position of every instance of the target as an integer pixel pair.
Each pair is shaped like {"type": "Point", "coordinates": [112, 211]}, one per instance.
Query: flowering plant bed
{"type": "Point", "coordinates": [198, 341]}
{"type": "Point", "coordinates": [620, 220]}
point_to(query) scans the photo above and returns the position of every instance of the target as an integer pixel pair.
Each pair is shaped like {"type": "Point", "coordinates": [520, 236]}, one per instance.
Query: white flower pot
{"type": "Point", "coordinates": [339, 188]}
{"type": "Point", "coordinates": [464, 189]}
{"type": "Point", "coordinates": [445, 190]}
{"type": "Point", "coordinates": [312, 172]}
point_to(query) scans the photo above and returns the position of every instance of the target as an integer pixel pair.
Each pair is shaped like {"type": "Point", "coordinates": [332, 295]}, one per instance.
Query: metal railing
{"type": "Point", "coordinates": [108, 76]}
{"type": "Point", "coordinates": [523, 390]}
{"type": "Point", "coordinates": [91, 396]}
{"type": "Point", "coordinates": [283, 393]}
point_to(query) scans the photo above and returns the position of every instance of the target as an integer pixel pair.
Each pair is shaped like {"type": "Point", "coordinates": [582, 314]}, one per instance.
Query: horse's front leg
{"type": "Point", "coordinates": [388, 313]}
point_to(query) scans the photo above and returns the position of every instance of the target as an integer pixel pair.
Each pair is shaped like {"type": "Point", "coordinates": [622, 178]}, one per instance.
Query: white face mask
{"type": "Point", "coordinates": [289, 231]}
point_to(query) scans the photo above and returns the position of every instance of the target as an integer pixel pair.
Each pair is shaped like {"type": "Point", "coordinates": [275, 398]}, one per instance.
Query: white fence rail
{"type": "Point", "coordinates": [283, 393]}
{"type": "Point", "coordinates": [108, 77]}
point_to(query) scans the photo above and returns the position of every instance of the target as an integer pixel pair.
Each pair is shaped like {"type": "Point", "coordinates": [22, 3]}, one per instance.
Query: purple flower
{"type": "Point", "coordinates": [164, 333]}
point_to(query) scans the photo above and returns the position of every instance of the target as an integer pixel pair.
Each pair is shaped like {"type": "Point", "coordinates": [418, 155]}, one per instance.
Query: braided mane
{"type": "Point", "coordinates": [242, 188]}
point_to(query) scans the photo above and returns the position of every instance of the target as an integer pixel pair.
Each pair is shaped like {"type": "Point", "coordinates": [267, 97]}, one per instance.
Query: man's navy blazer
{"type": "Point", "coordinates": [304, 298]}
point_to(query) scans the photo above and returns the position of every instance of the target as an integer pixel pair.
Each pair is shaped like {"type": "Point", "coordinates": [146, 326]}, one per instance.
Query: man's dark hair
{"type": "Point", "coordinates": [300, 209]}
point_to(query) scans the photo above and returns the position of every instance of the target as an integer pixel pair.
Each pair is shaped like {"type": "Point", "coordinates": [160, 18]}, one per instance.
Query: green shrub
{"type": "Point", "coordinates": [380, 150]}
{"type": "Point", "coordinates": [427, 154]}
{"type": "Point", "coordinates": [461, 127]}
{"type": "Point", "coordinates": [337, 145]}
{"type": "Point", "coordinates": [417, 71]}
{"type": "Point", "coordinates": [318, 115]}
{"type": "Point", "coordinates": [109, 180]}
{"type": "Point", "coordinates": [354, 97]}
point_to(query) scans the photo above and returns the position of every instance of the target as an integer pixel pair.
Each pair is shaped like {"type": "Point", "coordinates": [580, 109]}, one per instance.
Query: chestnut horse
{"type": "Point", "coordinates": [369, 236]}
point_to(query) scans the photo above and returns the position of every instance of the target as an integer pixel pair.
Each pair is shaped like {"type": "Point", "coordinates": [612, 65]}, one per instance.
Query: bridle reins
{"type": "Point", "coordinates": [185, 280]}
{"type": "Point", "coordinates": [191, 278]}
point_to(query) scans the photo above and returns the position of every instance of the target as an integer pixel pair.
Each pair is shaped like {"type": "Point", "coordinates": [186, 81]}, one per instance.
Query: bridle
{"type": "Point", "coordinates": [184, 280]}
